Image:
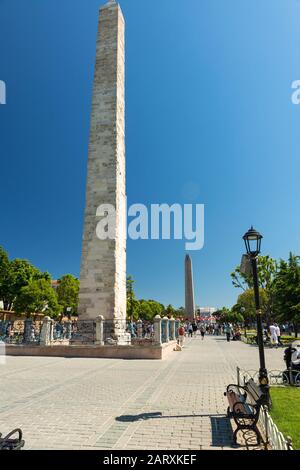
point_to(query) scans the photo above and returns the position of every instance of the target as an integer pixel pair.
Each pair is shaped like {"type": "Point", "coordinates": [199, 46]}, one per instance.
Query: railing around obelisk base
{"type": "Point", "coordinates": [98, 332]}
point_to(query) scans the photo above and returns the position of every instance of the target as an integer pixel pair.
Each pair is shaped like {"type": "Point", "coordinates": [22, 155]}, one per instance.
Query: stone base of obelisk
{"type": "Point", "coordinates": [119, 339]}
{"type": "Point", "coordinates": [91, 332]}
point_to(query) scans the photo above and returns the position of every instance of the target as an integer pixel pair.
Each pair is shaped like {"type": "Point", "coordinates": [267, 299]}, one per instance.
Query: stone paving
{"type": "Point", "coordinates": [178, 403]}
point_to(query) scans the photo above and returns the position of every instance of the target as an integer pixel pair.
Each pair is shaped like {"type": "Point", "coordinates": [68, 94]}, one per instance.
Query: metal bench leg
{"type": "Point", "coordinates": [235, 435]}
{"type": "Point", "coordinates": [258, 436]}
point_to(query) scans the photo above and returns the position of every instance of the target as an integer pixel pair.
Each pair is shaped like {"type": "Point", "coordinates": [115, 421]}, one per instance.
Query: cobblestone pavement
{"type": "Point", "coordinates": [178, 403]}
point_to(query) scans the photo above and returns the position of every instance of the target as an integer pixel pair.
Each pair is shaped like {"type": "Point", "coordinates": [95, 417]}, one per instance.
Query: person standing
{"type": "Point", "coordinates": [274, 338]}
{"type": "Point", "coordinates": [288, 353]}
{"type": "Point", "coordinates": [278, 333]}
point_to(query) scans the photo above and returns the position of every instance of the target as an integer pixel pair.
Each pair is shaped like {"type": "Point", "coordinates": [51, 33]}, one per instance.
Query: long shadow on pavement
{"type": "Point", "coordinates": [221, 430]}
{"type": "Point", "coordinates": [144, 416]}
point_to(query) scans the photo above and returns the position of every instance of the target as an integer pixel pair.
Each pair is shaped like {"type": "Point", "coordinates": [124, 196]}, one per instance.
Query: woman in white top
{"type": "Point", "coordinates": [278, 333]}
{"type": "Point", "coordinates": [274, 338]}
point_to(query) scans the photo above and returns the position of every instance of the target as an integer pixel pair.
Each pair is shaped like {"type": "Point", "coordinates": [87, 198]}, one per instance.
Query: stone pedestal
{"type": "Point", "coordinates": [139, 327]}
{"type": "Point", "coordinates": [157, 330]}
{"type": "Point", "coordinates": [172, 329]}
{"type": "Point", "coordinates": [165, 330]}
{"type": "Point", "coordinates": [99, 330]}
{"type": "Point", "coordinates": [45, 335]}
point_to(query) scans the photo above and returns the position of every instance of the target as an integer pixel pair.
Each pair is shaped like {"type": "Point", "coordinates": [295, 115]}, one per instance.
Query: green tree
{"type": "Point", "coordinates": [67, 292]}
{"type": "Point", "coordinates": [38, 297]}
{"type": "Point", "coordinates": [180, 313]}
{"type": "Point", "coordinates": [246, 301]}
{"type": "Point", "coordinates": [132, 302]}
{"type": "Point", "coordinates": [226, 315]}
{"type": "Point", "coordinates": [148, 309]}
{"type": "Point", "coordinates": [266, 269]}
{"type": "Point", "coordinates": [286, 291]}
{"type": "Point", "coordinates": [169, 311]}
{"type": "Point", "coordinates": [145, 311]}
{"type": "Point", "coordinates": [18, 273]}
{"type": "Point", "coordinates": [156, 307]}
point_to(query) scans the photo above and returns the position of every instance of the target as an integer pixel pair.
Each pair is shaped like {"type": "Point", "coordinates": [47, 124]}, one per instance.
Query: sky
{"type": "Point", "coordinates": [209, 119]}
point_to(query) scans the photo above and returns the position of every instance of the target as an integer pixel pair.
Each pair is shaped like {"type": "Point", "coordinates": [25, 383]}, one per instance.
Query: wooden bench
{"type": "Point", "coordinates": [10, 443]}
{"type": "Point", "coordinates": [244, 407]}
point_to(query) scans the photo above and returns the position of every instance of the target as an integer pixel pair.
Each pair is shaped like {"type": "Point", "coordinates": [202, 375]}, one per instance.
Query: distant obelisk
{"type": "Point", "coordinates": [189, 289]}
{"type": "Point", "coordinates": [103, 263]}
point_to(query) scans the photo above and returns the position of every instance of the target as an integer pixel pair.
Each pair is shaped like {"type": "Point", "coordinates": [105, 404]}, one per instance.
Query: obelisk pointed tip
{"type": "Point", "coordinates": [108, 4]}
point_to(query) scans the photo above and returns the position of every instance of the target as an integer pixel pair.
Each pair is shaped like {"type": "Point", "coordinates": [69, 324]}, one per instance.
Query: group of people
{"type": "Point", "coordinates": [192, 328]}
{"type": "Point", "coordinates": [275, 334]}
{"type": "Point", "coordinates": [232, 333]}
{"type": "Point", "coordinates": [147, 329]}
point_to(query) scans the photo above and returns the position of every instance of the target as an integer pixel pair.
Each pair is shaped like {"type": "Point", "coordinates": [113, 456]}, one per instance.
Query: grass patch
{"type": "Point", "coordinates": [286, 412]}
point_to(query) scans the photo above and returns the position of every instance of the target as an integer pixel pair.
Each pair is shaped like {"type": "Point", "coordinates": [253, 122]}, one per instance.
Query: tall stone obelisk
{"type": "Point", "coordinates": [189, 289]}
{"type": "Point", "coordinates": [103, 263]}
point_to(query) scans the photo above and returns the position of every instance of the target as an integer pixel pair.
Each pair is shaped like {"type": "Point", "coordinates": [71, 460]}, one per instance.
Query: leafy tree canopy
{"type": "Point", "coordinates": [67, 292]}
{"type": "Point", "coordinates": [286, 290]}
{"type": "Point", "coordinates": [38, 297]}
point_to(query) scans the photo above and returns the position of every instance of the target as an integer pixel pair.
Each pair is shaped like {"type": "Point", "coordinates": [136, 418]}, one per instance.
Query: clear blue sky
{"type": "Point", "coordinates": [208, 90]}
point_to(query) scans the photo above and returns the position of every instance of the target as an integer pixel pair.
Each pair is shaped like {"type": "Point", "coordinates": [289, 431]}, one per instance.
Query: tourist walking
{"type": "Point", "coordinates": [181, 335]}
{"type": "Point", "coordinates": [190, 330]}
{"type": "Point", "coordinates": [202, 332]}
{"type": "Point", "coordinates": [278, 333]}
{"type": "Point", "coordinates": [227, 331]}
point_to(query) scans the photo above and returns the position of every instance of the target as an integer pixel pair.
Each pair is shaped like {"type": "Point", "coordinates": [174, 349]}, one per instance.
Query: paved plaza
{"type": "Point", "coordinates": [178, 403]}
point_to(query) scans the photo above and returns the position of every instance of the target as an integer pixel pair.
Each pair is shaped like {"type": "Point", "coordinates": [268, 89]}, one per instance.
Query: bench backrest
{"type": "Point", "coordinates": [255, 391]}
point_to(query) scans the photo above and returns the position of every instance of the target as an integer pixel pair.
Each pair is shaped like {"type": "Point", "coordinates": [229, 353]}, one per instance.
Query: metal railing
{"type": "Point", "coordinates": [16, 332]}
{"type": "Point", "coordinates": [99, 331]}
{"type": "Point", "coordinates": [273, 437]}
{"type": "Point", "coordinates": [276, 377]}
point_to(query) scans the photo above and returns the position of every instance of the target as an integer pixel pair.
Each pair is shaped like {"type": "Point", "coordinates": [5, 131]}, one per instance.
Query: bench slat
{"type": "Point", "coordinates": [237, 404]}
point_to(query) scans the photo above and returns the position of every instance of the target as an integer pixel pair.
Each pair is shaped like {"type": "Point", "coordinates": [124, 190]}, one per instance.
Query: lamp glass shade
{"type": "Point", "coordinates": [252, 241]}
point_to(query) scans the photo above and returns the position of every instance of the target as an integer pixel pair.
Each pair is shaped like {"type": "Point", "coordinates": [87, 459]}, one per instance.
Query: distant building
{"type": "Point", "coordinates": [54, 284]}
{"type": "Point", "coordinates": [206, 314]}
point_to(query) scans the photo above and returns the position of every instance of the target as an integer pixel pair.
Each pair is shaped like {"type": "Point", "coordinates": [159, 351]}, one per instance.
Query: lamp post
{"type": "Point", "coordinates": [252, 241]}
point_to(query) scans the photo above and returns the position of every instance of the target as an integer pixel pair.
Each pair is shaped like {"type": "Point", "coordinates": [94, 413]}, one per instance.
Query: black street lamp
{"type": "Point", "coordinates": [252, 241]}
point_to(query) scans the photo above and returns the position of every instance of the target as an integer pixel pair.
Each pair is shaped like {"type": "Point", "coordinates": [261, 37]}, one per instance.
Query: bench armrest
{"type": "Point", "coordinates": [10, 434]}
{"type": "Point", "coordinates": [236, 387]}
